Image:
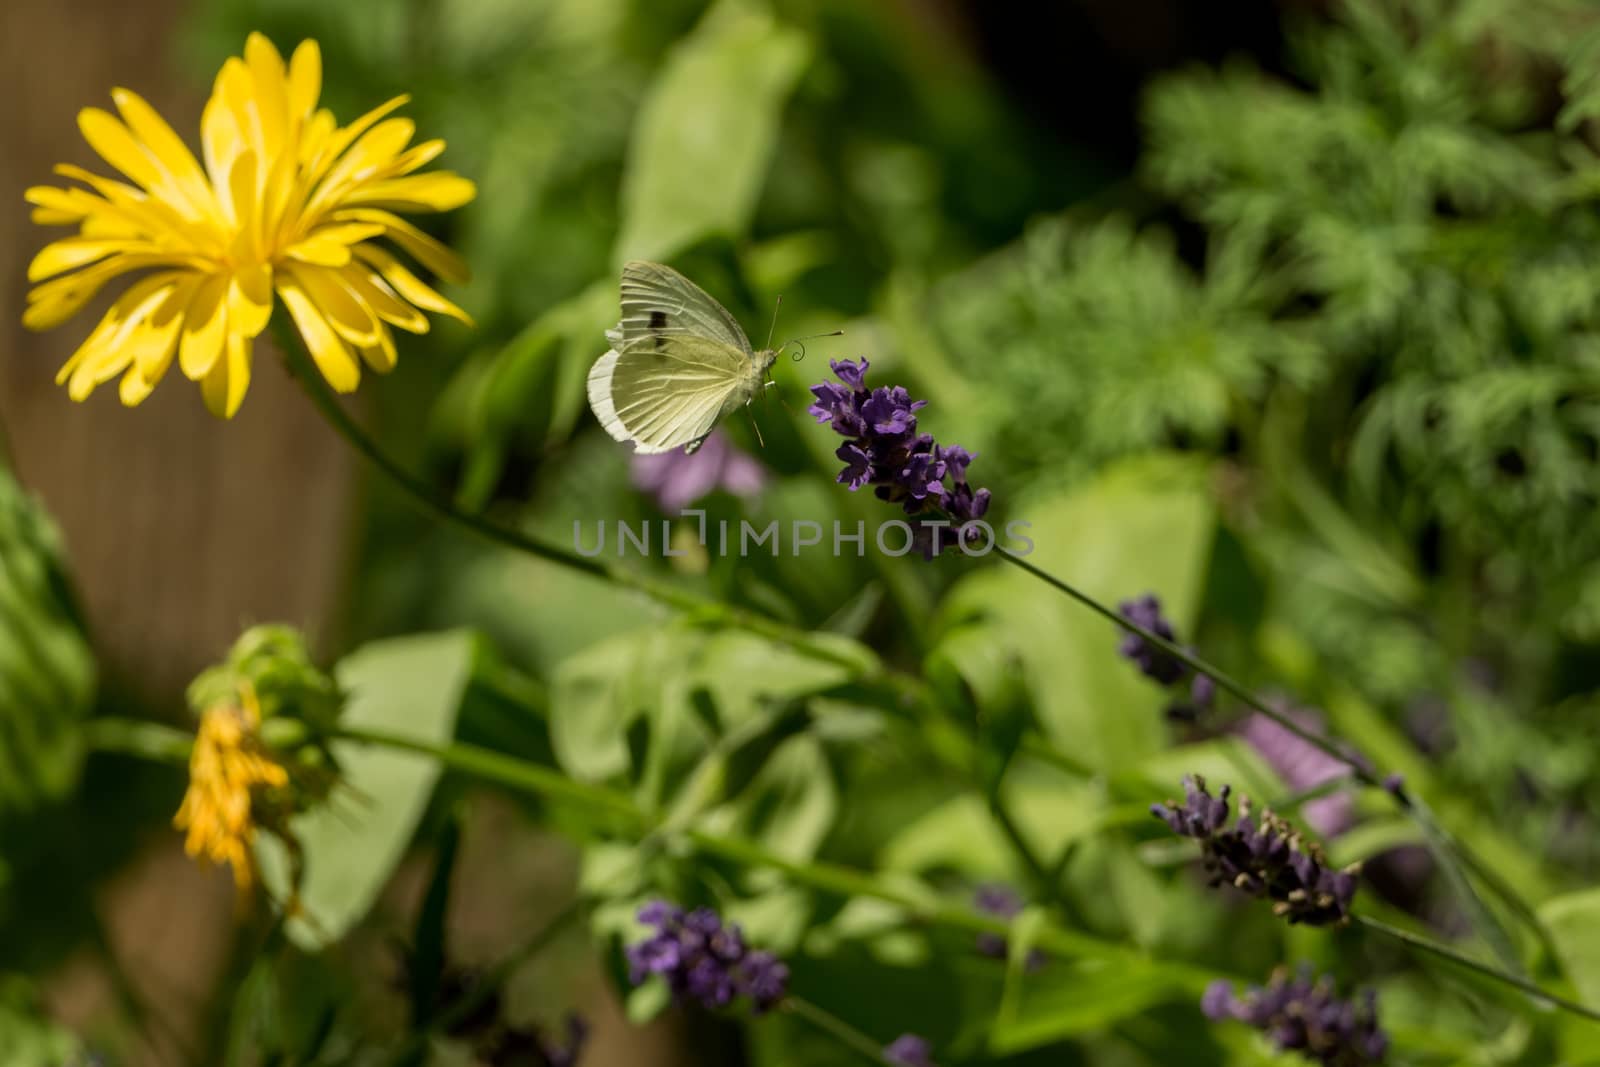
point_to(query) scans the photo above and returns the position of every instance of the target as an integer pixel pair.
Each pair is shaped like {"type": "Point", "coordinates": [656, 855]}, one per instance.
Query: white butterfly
{"type": "Point", "coordinates": [678, 363]}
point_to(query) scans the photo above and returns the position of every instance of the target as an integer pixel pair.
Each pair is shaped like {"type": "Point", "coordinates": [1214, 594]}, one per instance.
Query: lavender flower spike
{"type": "Point", "coordinates": [1265, 857]}
{"type": "Point", "coordinates": [1159, 665]}
{"type": "Point", "coordinates": [705, 961]}
{"type": "Point", "coordinates": [1305, 1015]}
{"type": "Point", "coordinates": [884, 450]}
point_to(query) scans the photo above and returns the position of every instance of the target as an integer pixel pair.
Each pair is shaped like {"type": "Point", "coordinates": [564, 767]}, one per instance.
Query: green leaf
{"type": "Point", "coordinates": [351, 844]}
{"type": "Point", "coordinates": [705, 134]}
{"type": "Point", "coordinates": [645, 683]}
{"type": "Point", "coordinates": [1143, 526]}
{"type": "Point", "coordinates": [1065, 999]}
{"type": "Point", "coordinates": [1574, 922]}
{"type": "Point", "coordinates": [47, 672]}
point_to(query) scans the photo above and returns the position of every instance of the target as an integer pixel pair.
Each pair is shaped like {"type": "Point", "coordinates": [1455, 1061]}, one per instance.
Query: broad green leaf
{"type": "Point", "coordinates": [1574, 922]}
{"type": "Point", "coordinates": [1144, 526]}
{"type": "Point", "coordinates": [408, 685]}
{"type": "Point", "coordinates": [47, 672]}
{"type": "Point", "coordinates": [640, 688]}
{"type": "Point", "coordinates": [1064, 999]}
{"type": "Point", "coordinates": [789, 806]}
{"type": "Point", "coordinates": [704, 137]}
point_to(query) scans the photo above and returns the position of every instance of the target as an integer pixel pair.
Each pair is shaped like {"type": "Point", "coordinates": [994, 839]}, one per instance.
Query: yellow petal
{"type": "Point", "coordinates": [338, 303]}
{"type": "Point", "coordinates": [330, 245]}
{"type": "Point", "coordinates": [242, 192]}
{"type": "Point", "coordinates": [177, 163]}
{"type": "Point", "coordinates": [158, 343]}
{"type": "Point", "coordinates": [343, 138]}
{"type": "Point", "coordinates": [224, 386]}
{"type": "Point", "coordinates": [57, 300]}
{"type": "Point", "coordinates": [439, 191]}
{"type": "Point", "coordinates": [275, 197]}
{"type": "Point", "coordinates": [221, 141]}
{"type": "Point", "coordinates": [416, 157]}
{"type": "Point", "coordinates": [331, 355]}
{"type": "Point", "coordinates": [111, 139]}
{"type": "Point", "coordinates": [408, 285]}
{"type": "Point", "coordinates": [74, 252]}
{"type": "Point", "coordinates": [377, 294]}
{"type": "Point", "coordinates": [424, 249]}
{"type": "Point", "coordinates": [205, 324]}
{"type": "Point", "coordinates": [134, 387]}
{"type": "Point", "coordinates": [65, 205]}
{"type": "Point", "coordinates": [380, 357]}
{"type": "Point", "coordinates": [305, 79]}
{"type": "Point", "coordinates": [151, 215]}
{"type": "Point", "coordinates": [377, 148]}
{"type": "Point", "coordinates": [269, 94]}
{"type": "Point", "coordinates": [250, 301]}
{"type": "Point", "coordinates": [107, 353]}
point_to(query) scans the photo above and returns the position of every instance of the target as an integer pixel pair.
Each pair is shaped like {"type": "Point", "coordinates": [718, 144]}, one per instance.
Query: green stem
{"type": "Point", "coordinates": [835, 1028]}
{"type": "Point", "coordinates": [508, 771]}
{"type": "Point", "coordinates": [153, 741]}
{"type": "Point", "coordinates": [1445, 952]}
{"type": "Point", "coordinates": [1044, 884]}
{"type": "Point", "coordinates": [328, 404]}
{"type": "Point", "coordinates": [1224, 681]}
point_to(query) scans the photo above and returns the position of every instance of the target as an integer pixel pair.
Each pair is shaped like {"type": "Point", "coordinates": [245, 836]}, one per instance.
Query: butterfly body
{"type": "Point", "coordinates": [678, 363]}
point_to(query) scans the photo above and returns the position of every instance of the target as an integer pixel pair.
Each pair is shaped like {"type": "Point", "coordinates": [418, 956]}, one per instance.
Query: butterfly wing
{"type": "Point", "coordinates": [657, 301]}
{"type": "Point", "coordinates": [667, 391]}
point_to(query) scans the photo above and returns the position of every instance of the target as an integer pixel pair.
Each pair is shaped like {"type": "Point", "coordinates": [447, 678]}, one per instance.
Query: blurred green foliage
{"type": "Point", "coordinates": [46, 671]}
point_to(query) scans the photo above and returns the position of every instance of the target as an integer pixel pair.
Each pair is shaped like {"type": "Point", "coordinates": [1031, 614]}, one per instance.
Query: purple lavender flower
{"type": "Point", "coordinates": [904, 467]}
{"type": "Point", "coordinates": [1002, 902]}
{"type": "Point", "coordinates": [1265, 857]}
{"type": "Point", "coordinates": [1305, 1015]}
{"type": "Point", "coordinates": [909, 1050]}
{"type": "Point", "coordinates": [1159, 665]}
{"type": "Point", "coordinates": [1302, 766]}
{"type": "Point", "coordinates": [677, 480]}
{"type": "Point", "coordinates": [703, 960]}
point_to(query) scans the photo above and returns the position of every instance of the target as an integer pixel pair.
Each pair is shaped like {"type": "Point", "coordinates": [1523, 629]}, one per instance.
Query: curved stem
{"type": "Point", "coordinates": [1450, 851]}
{"type": "Point", "coordinates": [424, 495]}
{"type": "Point", "coordinates": [836, 1028]}
{"type": "Point", "coordinates": [1445, 952]}
{"type": "Point", "coordinates": [1360, 770]}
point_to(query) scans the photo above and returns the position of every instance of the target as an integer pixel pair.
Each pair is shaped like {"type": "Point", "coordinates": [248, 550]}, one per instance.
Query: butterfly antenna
{"type": "Point", "coordinates": [801, 353]}
{"type": "Point", "coordinates": [776, 307]}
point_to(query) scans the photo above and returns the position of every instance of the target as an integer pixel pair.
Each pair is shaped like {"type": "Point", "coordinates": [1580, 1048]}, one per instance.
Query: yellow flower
{"type": "Point", "coordinates": [230, 770]}
{"type": "Point", "coordinates": [287, 202]}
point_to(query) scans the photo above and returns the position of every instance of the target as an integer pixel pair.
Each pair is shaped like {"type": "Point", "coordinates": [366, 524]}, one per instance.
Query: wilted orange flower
{"type": "Point", "coordinates": [229, 770]}
{"type": "Point", "coordinates": [288, 202]}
